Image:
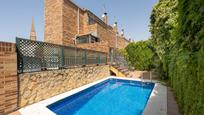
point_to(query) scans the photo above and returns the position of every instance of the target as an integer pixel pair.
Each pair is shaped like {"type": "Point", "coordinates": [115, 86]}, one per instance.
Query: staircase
{"type": "Point", "coordinates": [120, 71]}
{"type": "Point", "coordinates": [120, 66]}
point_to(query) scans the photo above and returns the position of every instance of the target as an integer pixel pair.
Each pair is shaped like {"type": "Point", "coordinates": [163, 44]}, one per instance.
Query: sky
{"type": "Point", "coordinates": [132, 15]}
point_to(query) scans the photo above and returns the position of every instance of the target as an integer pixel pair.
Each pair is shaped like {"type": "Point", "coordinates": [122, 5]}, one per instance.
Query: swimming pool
{"type": "Point", "coordinates": [110, 97]}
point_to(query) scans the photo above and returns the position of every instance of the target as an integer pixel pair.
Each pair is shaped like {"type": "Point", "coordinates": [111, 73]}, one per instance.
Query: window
{"type": "Point", "coordinates": [81, 40]}
{"type": "Point", "coordinates": [91, 21]}
{"type": "Point", "coordinates": [94, 39]}
{"type": "Point", "coordinates": [87, 39]}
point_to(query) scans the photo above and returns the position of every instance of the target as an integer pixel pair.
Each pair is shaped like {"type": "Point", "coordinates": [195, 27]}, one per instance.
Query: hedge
{"type": "Point", "coordinates": [177, 27]}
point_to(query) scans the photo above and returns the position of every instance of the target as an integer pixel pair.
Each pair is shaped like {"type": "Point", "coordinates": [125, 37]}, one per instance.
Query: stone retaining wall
{"type": "Point", "coordinates": [38, 86]}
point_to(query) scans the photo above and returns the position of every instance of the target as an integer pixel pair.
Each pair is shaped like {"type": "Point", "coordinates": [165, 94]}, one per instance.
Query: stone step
{"type": "Point", "coordinates": [115, 66]}
{"type": "Point", "coordinates": [126, 73]}
{"type": "Point", "coordinates": [129, 75]}
{"type": "Point", "coordinates": [124, 70]}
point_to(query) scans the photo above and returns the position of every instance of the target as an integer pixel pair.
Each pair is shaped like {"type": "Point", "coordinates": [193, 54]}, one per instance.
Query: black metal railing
{"type": "Point", "coordinates": [38, 56]}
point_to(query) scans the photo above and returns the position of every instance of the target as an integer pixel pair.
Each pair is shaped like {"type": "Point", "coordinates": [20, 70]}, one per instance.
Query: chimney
{"type": "Point", "coordinates": [105, 17]}
{"type": "Point", "coordinates": [115, 27]}
{"type": "Point", "coordinates": [33, 33]}
{"type": "Point", "coordinates": [122, 32]}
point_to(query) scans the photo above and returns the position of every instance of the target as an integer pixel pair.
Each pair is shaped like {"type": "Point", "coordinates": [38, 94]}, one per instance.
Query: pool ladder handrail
{"type": "Point", "coordinates": [150, 76]}
{"type": "Point", "coordinates": [142, 79]}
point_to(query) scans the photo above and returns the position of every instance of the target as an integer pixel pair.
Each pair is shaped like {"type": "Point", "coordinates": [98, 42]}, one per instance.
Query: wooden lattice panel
{"type": "Point", "coordinates": [37, 56]}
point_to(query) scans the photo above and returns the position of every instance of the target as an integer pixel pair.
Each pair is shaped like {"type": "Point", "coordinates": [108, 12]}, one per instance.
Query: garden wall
{"type": "Point", "coordinates": [8, 77]}
{"type": "Point", "coordinates": [38, 86]}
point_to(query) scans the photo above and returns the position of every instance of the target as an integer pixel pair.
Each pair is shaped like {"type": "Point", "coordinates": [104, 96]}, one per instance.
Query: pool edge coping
{"type": "Point", "coordinates": [157, 102]}
{"type": "Point", "coordinates": [41, 106]}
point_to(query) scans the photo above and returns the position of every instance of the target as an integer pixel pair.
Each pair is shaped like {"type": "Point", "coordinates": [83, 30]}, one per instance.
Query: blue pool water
{"type": "Point", "coordinates": [111, 97]}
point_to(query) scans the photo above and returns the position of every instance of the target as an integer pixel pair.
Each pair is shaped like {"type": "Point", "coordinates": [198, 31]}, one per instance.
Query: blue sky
{"type": "Point", "coordinates": [132, 15]}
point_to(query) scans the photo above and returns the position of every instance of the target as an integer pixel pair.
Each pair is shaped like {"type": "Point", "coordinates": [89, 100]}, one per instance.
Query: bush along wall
{"type": "Point", "coordinates": [139, 55]}
{"type": "Point", "coordinates": [177, 28]}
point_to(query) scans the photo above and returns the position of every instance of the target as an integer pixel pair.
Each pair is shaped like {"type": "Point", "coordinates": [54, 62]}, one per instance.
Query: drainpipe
{"type": "Point", "coordinates": [78, 21]}
{"type": "Point", "coordinates": [78, 27]}
{"type": "Point", "coordinates": [115, 27]}
{"type": "Point", "coordinates": [116, 41]}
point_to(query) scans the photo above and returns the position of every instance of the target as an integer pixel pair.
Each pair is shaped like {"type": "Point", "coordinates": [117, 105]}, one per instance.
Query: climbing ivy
{"type": "Point", "coordinates": [177, 28]}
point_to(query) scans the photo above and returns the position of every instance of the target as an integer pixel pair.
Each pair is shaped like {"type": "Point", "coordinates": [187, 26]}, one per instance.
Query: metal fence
{"type": "Point", "coordinates": [38, 56]}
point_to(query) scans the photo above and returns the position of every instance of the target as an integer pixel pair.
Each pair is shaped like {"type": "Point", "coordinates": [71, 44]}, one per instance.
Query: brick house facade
{"type": "Point", "coordinates": [8, 77]}
{"type": "Point", "coordinates": [65, 22]}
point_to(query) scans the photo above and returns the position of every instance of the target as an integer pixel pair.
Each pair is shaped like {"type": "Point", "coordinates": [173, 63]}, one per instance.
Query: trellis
{"type": "Point", "coordinates": [38, 56]}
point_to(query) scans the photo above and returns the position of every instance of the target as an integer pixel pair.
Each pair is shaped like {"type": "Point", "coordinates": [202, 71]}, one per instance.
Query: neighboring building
{"type": "Point", "coordinates": [68, 24]}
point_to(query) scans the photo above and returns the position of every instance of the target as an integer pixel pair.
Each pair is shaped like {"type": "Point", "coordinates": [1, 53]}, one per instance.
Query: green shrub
{"type": "Point", "coordinates": [139, 55]}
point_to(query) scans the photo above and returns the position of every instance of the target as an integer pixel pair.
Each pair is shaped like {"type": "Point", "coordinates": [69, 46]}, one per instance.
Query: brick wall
{"type": "Point", "coordinates": [70, 22]}
{"type": "Point", "coordinates": [53, 32]}
{"type": "Point", "coordinates": [99, 46]}
{"type": "Point", "coordinates": [8, 77]}
{"type": "Point", "coordinates": [122, 42]}
{"type": "Point", "coordinates": [107, 34]}
{"type": "Point", "coordinates": [61, 26]}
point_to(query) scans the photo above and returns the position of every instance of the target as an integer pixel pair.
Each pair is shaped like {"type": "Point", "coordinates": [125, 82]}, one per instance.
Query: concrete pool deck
{"type": "Point", "coordinates": [157, 104]}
